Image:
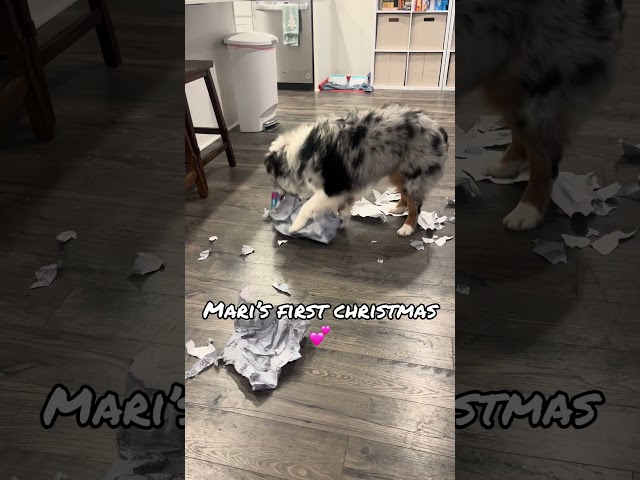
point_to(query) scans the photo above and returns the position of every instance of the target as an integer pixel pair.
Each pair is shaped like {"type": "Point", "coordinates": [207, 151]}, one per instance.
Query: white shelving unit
{"type": "Point", "coordinates": [425, 60]}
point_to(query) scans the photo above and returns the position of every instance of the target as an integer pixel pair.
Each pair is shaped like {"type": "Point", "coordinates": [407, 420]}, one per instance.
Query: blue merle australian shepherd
{"type": "Point", "coordinates": [334, 162]}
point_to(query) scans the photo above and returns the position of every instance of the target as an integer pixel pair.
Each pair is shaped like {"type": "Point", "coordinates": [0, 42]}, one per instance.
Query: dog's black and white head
{"type": "Point", "coordinates": [282, 162]}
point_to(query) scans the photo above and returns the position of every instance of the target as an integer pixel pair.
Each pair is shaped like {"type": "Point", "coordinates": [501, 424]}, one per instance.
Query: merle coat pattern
{"type": "Point", "coordinates": [334, 161]}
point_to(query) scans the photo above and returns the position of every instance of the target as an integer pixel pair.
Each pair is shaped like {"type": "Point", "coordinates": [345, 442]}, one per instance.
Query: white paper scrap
{"type": "Point", "coordinates": [476, 165]}
{"type": "Point", "coordinates": [628, 189]}
{"type": "Point", "coordinates": [374, 241]}
{"type": "Point", "coordinates": [575, 242]}
{"type": "Point", "coordinates": [282, 287]}
{"type": "Point", "coordinates": [380, 260]}
{"type": "Point", "coordinates": [552, 251]}
{"type": "Point", "coordinates": [601, 208]}
{"type": "Point", "coordinates": [364, 208]}
{"type": "Point", "coordinates": [266, 213]}
{"type": "Point", "coordinates": [451, 202]}
{"type": "Point", "coordinates": [592, 233]}
{"type": "Point", "coordinates": [66, 236]}
{"type": "Point", "coordinates": [390, 195]}
{"type": "Point", "coordinates": [417, 244]}
{"type": "Point", "coordinates": [429, 240]}
{"type": "Point", "coordinates": [247, 250]}
{"type": "Point", "coordinates": [609, 242]}
{"type": "Point", "coordinates": [629, 149]}
{"type": "Point", "coordinates": [202, 364]}
{"type": "Point", "coordinates": [147, 263]}
{"type": "Point", "coordinates": [575, 193]}
{"type": "Point", "coordinates": [489, 123]}
{"type": "Point", "coordinates": [204, 255]}
{"type": "Point", "coordinates": [200, 352]}
{"type": "Point", "coordinates": [213, 238]}
{"type": "Point", "coordinates": [463, 289]}
{"type": "Point", "coordinates": [428, 220]}
{"type": "Point", "coordinates": [610, 191]}
{"type": "Point", "coordinates": [282, 242]}
{"type": "Point", "coordinates": [45, 276]}
{"type": "Point", "coordinates": [442, 240]}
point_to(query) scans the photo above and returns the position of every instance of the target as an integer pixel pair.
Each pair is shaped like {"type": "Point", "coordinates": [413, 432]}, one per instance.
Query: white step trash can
{"type": "Point", "coordinates": [255, 79]}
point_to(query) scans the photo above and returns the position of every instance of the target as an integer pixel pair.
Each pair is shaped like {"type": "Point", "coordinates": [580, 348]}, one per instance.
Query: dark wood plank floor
{"type": "Point", "coordinates": [113, 173]}
{"type": "Point", "coordinates": [375, 399]}
{"type": "Point", "coordinates": [530, 325]}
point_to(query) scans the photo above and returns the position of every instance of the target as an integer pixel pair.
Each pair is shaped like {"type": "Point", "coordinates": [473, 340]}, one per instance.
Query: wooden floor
{"type": "Point", "coordinates": [113, 173]}
{"type": "Point", "coordinates": [375, 399]}
{"type": "Point", "coordinates": [530, 325]}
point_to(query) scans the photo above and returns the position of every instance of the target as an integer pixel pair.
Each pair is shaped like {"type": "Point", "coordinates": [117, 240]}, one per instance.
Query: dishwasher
{"type": "Point", "coordinates": [295, 64]}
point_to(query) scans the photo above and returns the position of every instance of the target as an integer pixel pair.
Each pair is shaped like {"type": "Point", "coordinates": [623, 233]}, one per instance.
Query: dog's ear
{"type": "Point", "coordinates": [269, 162]}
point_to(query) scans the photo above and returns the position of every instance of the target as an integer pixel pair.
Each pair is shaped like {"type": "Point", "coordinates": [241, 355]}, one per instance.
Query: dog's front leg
{"type": "Point", "coordinates": [318, 204]}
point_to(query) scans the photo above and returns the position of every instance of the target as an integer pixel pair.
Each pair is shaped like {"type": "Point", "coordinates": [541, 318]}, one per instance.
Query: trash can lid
{"type": "Point", "coordinates": [253, 39]}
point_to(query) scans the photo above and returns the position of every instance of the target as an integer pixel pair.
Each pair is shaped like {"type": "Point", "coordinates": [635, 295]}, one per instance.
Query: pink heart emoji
{"type": "Point", "coordinates": [326, 329]}
{"type": "Point", "coordinates": [316, 338]}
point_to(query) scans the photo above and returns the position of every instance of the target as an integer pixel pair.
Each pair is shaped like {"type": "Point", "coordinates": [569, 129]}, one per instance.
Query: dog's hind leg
{"type": "Point", "coordinates": [319, 204]}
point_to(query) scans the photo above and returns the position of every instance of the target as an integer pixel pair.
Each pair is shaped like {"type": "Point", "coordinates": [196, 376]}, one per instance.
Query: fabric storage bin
{"type": "Point", "coordinates": [451, 74]}
{"type": "Point", "coordinates": [393, 32]}
{"type": "Point", "coordinates": [427, 31]}
{"type": "Point", "coordinates": [389, 69]}
{"type": "Point", "coordinates": [424, 69]}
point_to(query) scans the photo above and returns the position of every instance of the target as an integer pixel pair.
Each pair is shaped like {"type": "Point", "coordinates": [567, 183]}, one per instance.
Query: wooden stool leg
{"type": "Point", "coordinates": [106, 34]}
{"type": "Point", "coordinates": [196, 167]}
{"type": "Point", "coordinates": [217, 109]}
{"type": "Point", "coordinates": [194, 152]}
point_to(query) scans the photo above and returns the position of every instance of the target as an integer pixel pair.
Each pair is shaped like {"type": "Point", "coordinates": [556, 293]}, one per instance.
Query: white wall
{"type": "Point", "coordinates": [205, 28]}
{"type": "Point", "coordinates": [322, 40]}
{"type": "Point", "coordinates": [352, 26]}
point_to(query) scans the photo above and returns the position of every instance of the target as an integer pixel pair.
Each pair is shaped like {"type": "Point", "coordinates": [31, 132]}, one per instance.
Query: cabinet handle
{"type": "Point", "coordinates": [393, 20]}
{"type": "Point", "coordinates": [427, 19]}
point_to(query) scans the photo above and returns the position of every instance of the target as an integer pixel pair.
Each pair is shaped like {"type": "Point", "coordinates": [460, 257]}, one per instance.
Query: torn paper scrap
{"type": "Point", "coordinates": [147, 263]}
{"type": "Point", "coordinates": [629, 149]}
{"type": "Point", "coordinates": [429, 240]}
{"type": "Point", "coordinates": [610, 191]}
{"type": "Point", "coordinates": [388, 207]}
{"type": "Point", "coordinates": [380, 260]}
{"type": "Point", "coordinates": [451, 219]}
{"type": "Point", "coordinates": [282, 287]}
{"type": "Point", "coordinates": [609, 242]}
{"type": "Point", "coordinates": [202, 364]}
{"type": "Point", "coordinates": [259, 348]}
{"type": "Point", "coordinates": [247, 250]}
{"type": "Point", "coordinates": [628, 189]}
{"type": "Point", "coordinates": [451, 202]}
{"type": "Point", "coordinates": [575, 193]}
{"type": "Point", "coordinates": [463, 289]}
{"type": "Point", "coordinates": [390, 195]}
{"type": "Point", "coordinates": [467, 184]}
{"type": "Point", "coordinates": [575, 242]}
{"type": "Point", "coordinates": [552, 251]}
{"type": "Point", "coordinates": [364, 208]}
{"type": "Point", "coordinates": [321, 230]}
{"type": "Point", "coordinates": [200, 352]}
{"type": "Point", "coordinates": [282, 242]}
{"type": "Point", "coordinates": [442, 240]}
{"type": "Point", "coordinates": [476, 167]}
{"type": "Point", "coordinates": [430, 221]}
{"type": "Point", "coordinates": [266, 213]}
{"type": "Point", "coordinates": [213, 238]}
{"type": "Point", "coordinates": [488, 123]}
{"type": "Point", "coordinates": [592, 233]}
{"type": "Point", "coordinates": [66, 236]}
{"type": "Point", "coordinates": [245, 294]}
{"type": "Point", "coordinates": [204, 255]}
{"type": "Point", "coordinates": [601, 208]}
{"type": "Point", "coordinates": [45, 276]}
{"type": "Point", "coordinates": [417, 244]}
{"type": "Point", "coordinates": [374, 241]}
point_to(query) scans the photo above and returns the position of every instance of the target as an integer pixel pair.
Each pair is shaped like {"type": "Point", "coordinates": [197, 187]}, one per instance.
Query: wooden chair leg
{"type": "Point", "coordinates": [217, 109]}
{"type": "Point", "coordinates": [106, 34]}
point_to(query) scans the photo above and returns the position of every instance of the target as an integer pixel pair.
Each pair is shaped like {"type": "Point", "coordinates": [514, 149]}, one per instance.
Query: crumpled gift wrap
{"type": "Point", "coordinates": [321, 230]}
{"type": "Point", "coordinates": [259, 348]}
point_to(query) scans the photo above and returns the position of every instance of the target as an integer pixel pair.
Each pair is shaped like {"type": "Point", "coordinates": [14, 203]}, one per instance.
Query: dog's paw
{"type": "Point", "coordinates": [344, 223]}
{"type": "Point", "coordinates": [397, 209]}
{"type": "Point", "coordinates": [296, 226]}
{"type": "Point", "coordinates": [406, 230]}
{"type": "Point", "coordinates": [523, 217]}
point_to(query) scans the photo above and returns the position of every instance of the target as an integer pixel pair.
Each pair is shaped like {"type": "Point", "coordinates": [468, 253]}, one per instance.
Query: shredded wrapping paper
{"type": "Point", "coordinates": [259, 348]}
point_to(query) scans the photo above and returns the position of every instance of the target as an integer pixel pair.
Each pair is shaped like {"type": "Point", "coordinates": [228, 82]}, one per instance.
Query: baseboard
{"type": "Point", "coordinates": [296, 86]}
